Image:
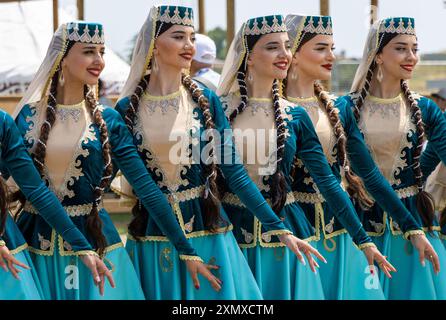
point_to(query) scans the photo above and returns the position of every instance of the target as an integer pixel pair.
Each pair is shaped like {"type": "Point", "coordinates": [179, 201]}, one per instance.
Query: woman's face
{"type": "Point", "coordinates": [270, 57]}
{"type": "Point", "coordinates": [84, 63]}
{"type": "Point", "coordinates": [175, 47]}
{"type": "Point", "coordinates": [315, 58]}
{"type": "Point", "coordinates": [399, 57]}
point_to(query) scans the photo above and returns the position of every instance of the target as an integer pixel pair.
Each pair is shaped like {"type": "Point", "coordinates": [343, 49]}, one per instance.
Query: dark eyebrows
{"type": "Point", "coordinates": [322, 44]}
{"type": "Point", "coordinates": [406, 44]}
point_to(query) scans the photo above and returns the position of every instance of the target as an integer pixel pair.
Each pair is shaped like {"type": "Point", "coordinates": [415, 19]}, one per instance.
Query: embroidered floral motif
{"type": "Point", "coordinates": [163, 105]}
{"type": "Point", "coordinates": [190, 225]}
{"type": "Point", "coordinates": [266, 237]}
{"type": "Point", "coordinates": [67, 246]}
{"type": "Point", "coordinates": [329, 227]}
{"type": "Point", "coordinates": [396, 225]}
{"type": "Point", "coordinates": [249, 237]}
{"type": "Point", "coordinates": [72, 211]}
{"type": "Point", "coordinates": [66, 113]}
{"type": "Point", "coordinates": [152, 162]}
{"type": "Point", "coordinates": [379, 227]}
{"type": "Point", "coordinates": [306, 197]}
{"type": "Point", "coordinates": [261, 105]}
{"type": "Point", "coordinates": [44, 243]}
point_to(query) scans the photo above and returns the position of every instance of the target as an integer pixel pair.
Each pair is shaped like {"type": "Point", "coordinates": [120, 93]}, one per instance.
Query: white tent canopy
{"type": "Point", "coordinates": [26, 29]}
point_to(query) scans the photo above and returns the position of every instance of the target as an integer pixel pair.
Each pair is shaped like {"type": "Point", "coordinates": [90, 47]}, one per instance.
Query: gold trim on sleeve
{"type": "Point", "coordinates": [185, 257]}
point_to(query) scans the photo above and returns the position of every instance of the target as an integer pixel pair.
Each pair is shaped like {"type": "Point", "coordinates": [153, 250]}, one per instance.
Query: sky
{"type": "Point", "coordinates": [122, 19]}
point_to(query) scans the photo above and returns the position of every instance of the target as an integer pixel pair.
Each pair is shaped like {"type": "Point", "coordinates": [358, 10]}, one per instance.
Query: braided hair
{"type": "Point", "coordinates": [211, 194]}
{"type": "Point", "coordinates": [94, 222]}
{"type": "Point", "coordinates": [425, 202]}
{"type": "Point", "coordinates": [3, 205]}
{"type": "Point", "coordinates": [277, 183]}
{"type": "Point", "coordinates": [355, 186]}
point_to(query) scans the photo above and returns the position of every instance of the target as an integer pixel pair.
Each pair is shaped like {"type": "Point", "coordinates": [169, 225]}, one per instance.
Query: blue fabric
{"type": "Point", "coordinates": [346, 276]}
{"type": "Point", "coordinates": [126, 159]}
{"type": "Point", "coordinates": [281, 276]}
{"type": "Point", "coordinates": [163, 276]}
{"type": "Point", "coordinates": [67, 278]}
{"type": "Point", "coordinates": [16, 162]}
{"type": "Point", "coordinates": [412, 280]}
{"type": "Point", "coordinates": [27, 288]}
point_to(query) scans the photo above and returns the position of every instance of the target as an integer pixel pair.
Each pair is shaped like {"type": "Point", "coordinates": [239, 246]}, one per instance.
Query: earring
{"type": "Point", "coordinates": [380, 74]}
{"type": "Point", "coordinates": [154, 65]}
{"type": "Point", "coordinates": [293, 75]}
{"type": "Point", "coordinates": [61, 78]}
{"type": "Point", "coordinates": [250, 77]}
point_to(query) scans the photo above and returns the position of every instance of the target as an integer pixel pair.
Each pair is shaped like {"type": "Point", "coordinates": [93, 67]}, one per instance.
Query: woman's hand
{"type": "Point", "coordinates": [297, 246]}
{"type": "Point", "coordinates": [425, 250]}
{"type": "Point", "coordinates": [7, 262]}
{"type": "Point", "coordinates": [373, 255]}
{"type": "Point", "coordinates": [98, 270]}
{"type": "Point", "coordinates": [196, 267]}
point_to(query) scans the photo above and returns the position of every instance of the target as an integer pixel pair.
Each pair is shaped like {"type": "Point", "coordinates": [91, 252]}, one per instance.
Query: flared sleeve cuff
{"type": "Point", "coordinates": [362, 246]}
{"type": "Point", "coordinates": [410, 233]}
{"type": "Point", "coordinates": [185, 257]}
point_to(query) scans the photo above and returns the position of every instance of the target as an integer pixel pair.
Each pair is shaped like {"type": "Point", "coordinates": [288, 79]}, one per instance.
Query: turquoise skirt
{"type": "Point", "coordinates": [27, 288]}
{"type": "Point", "coordinates": [67, 278]}
{"type": "Point", "coordinates": [281, 276]}
{"type": "Point", "coordinates": [412, 280]}
{"type": "Point", "coordinates": [346, 276]}
{"type": "Point", "coordinates": [163, 276]}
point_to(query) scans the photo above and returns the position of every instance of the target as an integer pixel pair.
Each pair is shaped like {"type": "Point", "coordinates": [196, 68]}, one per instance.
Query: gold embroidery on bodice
{"type": "Point", "coordinates": [321, 124]}
{"type": "Point", "coordinates": [64, 145]}
{"type": "Point", "coordinates": [255, 137]}
{"type": "Point", "coordinates": [386, 126]}
{"type": "Point", "coordinates": [165, 124]}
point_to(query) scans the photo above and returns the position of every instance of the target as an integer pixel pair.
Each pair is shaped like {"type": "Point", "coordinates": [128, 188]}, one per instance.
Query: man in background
{"type": "Point", "coordinates": [440, 98]}
{"type": "Point", "coordinates": [202, 62]}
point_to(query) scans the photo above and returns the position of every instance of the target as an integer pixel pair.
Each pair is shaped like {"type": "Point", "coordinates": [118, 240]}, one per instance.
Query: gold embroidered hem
{"type": "Point", "coordinates": [73, 211]}
{"type": "Point", "coordinates": [412, 233]}
{"type": "Point", "coordinates": [187, 235]}
{"type": "Point", "coordinates": [234, 200]}
{"type": "Point", "coordinates": [190, 258]}
{"type": "Point", "coordinates": [64, 247]}
{"type": "Point", "coordinates": [366, 245]}
{"type": "Point", "coordinates": [19, 249]}
{"type": "Point", "coordinates": [2, 243]}
{"type": "Point", "coordinates": [307, 197]}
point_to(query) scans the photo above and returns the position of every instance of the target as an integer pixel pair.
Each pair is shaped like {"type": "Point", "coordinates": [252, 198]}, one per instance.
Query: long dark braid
{"type": "Point", "coordinates": [355, 186]}
{"type": "Point", "coordinates": [137, 227]}
{"type": "Point", "coordinates": [243, 94]}
{"type": "Point", "coordinates": [212, 194]}
{"type": "Point", "coordinates": [3, 205]}
{"type": "Point", "coordinates": [94, 222]}
{"type": "Point", "coordinates": [39, 153]}
{"type": "Point", "coordinates": [425, 202]}
{"type": "Point", "coordinates": [278, 182]}
{"type": "Point", "coordinates": [359, 100]}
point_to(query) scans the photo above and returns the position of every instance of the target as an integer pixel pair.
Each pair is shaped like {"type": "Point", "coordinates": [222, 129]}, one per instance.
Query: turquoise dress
{"type": "Point", "coordinates": [15, 162]}
{"type": "Point", "coordinates": [76, 169]}
{"type": "Point", "coordinates": [391, 137]}
{"type": "Point", "coordinates": [160, 122]}
{"type": "Point", "coordinates": [334, 240]}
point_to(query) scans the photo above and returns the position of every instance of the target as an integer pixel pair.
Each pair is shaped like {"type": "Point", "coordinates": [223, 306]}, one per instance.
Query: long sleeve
{"type": "Point", "coordinates": [429, 158]}
{"type": "Point", "coordinates": [310, 152]}
{"type": "Point", "coordinates": [362, 164]}
{"type": "Point", "coordinates": [435, 125]}
{"type": "Point", "coordinates": [127, 158]}
{"type": "Point", "coordinates": [236, 175]}
{"type": "Point", "coordinates": [16, 160]}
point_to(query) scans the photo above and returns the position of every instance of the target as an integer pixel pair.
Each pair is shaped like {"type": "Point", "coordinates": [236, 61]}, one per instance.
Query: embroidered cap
{"type": "Point", "coordinates": [300, 25]}
{"type": "Point", "coordinates": [400, 25]}
{"type": "Point", "coordinates": [175, 15]}
{"type": "Point", "coordinates": [265, 25]}
{"type": "Point", "coordinates": [85, 32]}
